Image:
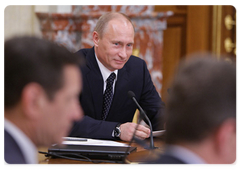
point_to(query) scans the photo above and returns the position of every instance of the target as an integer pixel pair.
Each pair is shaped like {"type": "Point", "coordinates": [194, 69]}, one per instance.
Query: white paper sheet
{"type": "Point", "coordinates": [95, 142]}
{"type": "Point", "coordinates": [155, 133]}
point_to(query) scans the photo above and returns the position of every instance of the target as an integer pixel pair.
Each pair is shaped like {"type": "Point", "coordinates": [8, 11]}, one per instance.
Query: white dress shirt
{"type": "Point", "coordinates": [28, 149]}
{"type": "Point", "coordinates": [105, 74]}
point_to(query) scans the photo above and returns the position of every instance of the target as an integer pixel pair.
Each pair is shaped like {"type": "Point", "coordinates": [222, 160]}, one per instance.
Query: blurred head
{"type": "Point", "coordinates": [202, 104]}
{"type": "Point", "coordinates": [42, 83]}
{"type": "Point", "coordinates": [113, 39]}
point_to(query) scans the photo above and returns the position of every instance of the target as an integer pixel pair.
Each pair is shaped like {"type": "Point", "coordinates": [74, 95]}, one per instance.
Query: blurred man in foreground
{"type": "Point", "coordinates": [201, 114]}
{"type": "Point", "coordinates": [42, 82]}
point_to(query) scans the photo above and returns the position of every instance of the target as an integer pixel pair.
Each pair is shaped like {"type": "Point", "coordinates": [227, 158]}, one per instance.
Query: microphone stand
{"type": "Point", "coordinates": [143, 114]}
{"type": "Point", "coordinates": [139, 141]}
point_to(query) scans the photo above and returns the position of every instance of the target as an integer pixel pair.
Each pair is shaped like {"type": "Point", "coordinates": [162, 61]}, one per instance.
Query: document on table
{"type": "Point", "coordinates": [158, 133]}
{"type": "Point", "coordinates": [92, 142]}
{"type": "Point", "coordinates": [155, 133]}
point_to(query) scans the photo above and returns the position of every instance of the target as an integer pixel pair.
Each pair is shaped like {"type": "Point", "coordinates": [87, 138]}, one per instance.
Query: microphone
{"type": "Point", "coordinates": [131, 95]}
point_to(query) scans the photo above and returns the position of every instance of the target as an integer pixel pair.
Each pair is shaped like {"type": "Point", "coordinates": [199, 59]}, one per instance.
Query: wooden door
{"type": "Point", "coordinates": [196, 29]}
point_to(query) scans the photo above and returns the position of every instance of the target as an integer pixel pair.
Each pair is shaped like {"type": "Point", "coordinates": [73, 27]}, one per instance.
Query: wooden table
{"type": "Point", "coordinates": [140, 156]}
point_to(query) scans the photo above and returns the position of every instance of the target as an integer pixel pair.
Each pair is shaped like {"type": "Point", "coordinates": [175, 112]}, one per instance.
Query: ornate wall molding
{"type": "Point", "coordinates": [74, 31]}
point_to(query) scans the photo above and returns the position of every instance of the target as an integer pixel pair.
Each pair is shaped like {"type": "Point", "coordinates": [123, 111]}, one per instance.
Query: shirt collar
{"type": "Point", "coordinates": [28, 149]}
{"type": "Point", "coordinates": [105, 72]}
{"type": "Point", "coordinates": [184, 154]}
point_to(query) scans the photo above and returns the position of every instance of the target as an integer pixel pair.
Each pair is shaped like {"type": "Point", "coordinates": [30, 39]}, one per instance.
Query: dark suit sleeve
{"type": "Point", "coordinates": [151, 101]}
{"type": "Point", "coordinates": [12, 152]}
{"type": "Point", "coordinates": [92, 128]}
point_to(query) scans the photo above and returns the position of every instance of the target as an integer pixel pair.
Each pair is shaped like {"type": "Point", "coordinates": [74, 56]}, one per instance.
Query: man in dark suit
{"type": "Point", "coordinates": [42, 83]}
{"type": "Point", "coordinates": [113, 39]}
{"type": "Point", "coordinates": [201, 114]}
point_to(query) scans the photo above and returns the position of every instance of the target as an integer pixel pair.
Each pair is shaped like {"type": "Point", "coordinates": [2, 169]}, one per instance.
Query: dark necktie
{"type": "Point", "coordinates": [108, 95]}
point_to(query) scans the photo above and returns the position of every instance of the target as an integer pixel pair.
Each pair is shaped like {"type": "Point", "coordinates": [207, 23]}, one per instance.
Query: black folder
{"type": "Point", "coordinates": [117, 153]}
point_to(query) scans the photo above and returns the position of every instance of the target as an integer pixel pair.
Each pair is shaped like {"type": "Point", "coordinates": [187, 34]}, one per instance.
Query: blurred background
{"type": "Point", "coordinates": [164, 34]}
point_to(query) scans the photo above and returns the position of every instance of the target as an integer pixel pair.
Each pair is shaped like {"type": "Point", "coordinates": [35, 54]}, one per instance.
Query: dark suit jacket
{"type": "Point", "coordinates": [167, 159]}
{"type": "Point", "coordinates": [133, 76]}
{"type": "Point", "coordinates": [12, 152]}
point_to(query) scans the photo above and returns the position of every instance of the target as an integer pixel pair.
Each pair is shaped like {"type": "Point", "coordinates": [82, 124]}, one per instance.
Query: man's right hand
{"type": "Point", "coordinates": [127, 131]}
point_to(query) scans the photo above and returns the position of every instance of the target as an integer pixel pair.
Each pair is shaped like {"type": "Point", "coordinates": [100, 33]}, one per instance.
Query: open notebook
{"type": "Point", "coordinates": [92, 149]}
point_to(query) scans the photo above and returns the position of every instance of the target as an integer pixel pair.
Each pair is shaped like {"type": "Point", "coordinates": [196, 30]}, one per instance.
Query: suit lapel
{"type": "Point", "coordinates": [95, 82]}
{"type": "Point", "coordinates": [120, 92]}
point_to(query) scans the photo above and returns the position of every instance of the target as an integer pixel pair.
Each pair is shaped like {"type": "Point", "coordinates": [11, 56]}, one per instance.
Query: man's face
{"type": "Point", "coordinates": [58, 114]}
{"type": "Point", "coordinates": [115, 47]}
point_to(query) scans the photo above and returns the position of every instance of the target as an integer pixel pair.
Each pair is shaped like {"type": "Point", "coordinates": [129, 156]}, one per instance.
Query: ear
{"type": "Point", "coordinates": [95, 38]}
{"type": "Point", "coordinates": [225, 140]}
{"type": "Point", "coordinates": [33, 98]}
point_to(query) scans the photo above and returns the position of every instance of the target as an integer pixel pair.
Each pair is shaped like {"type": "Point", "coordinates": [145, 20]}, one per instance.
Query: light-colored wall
{"type": "Point", "coordinates": [21, 19]}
